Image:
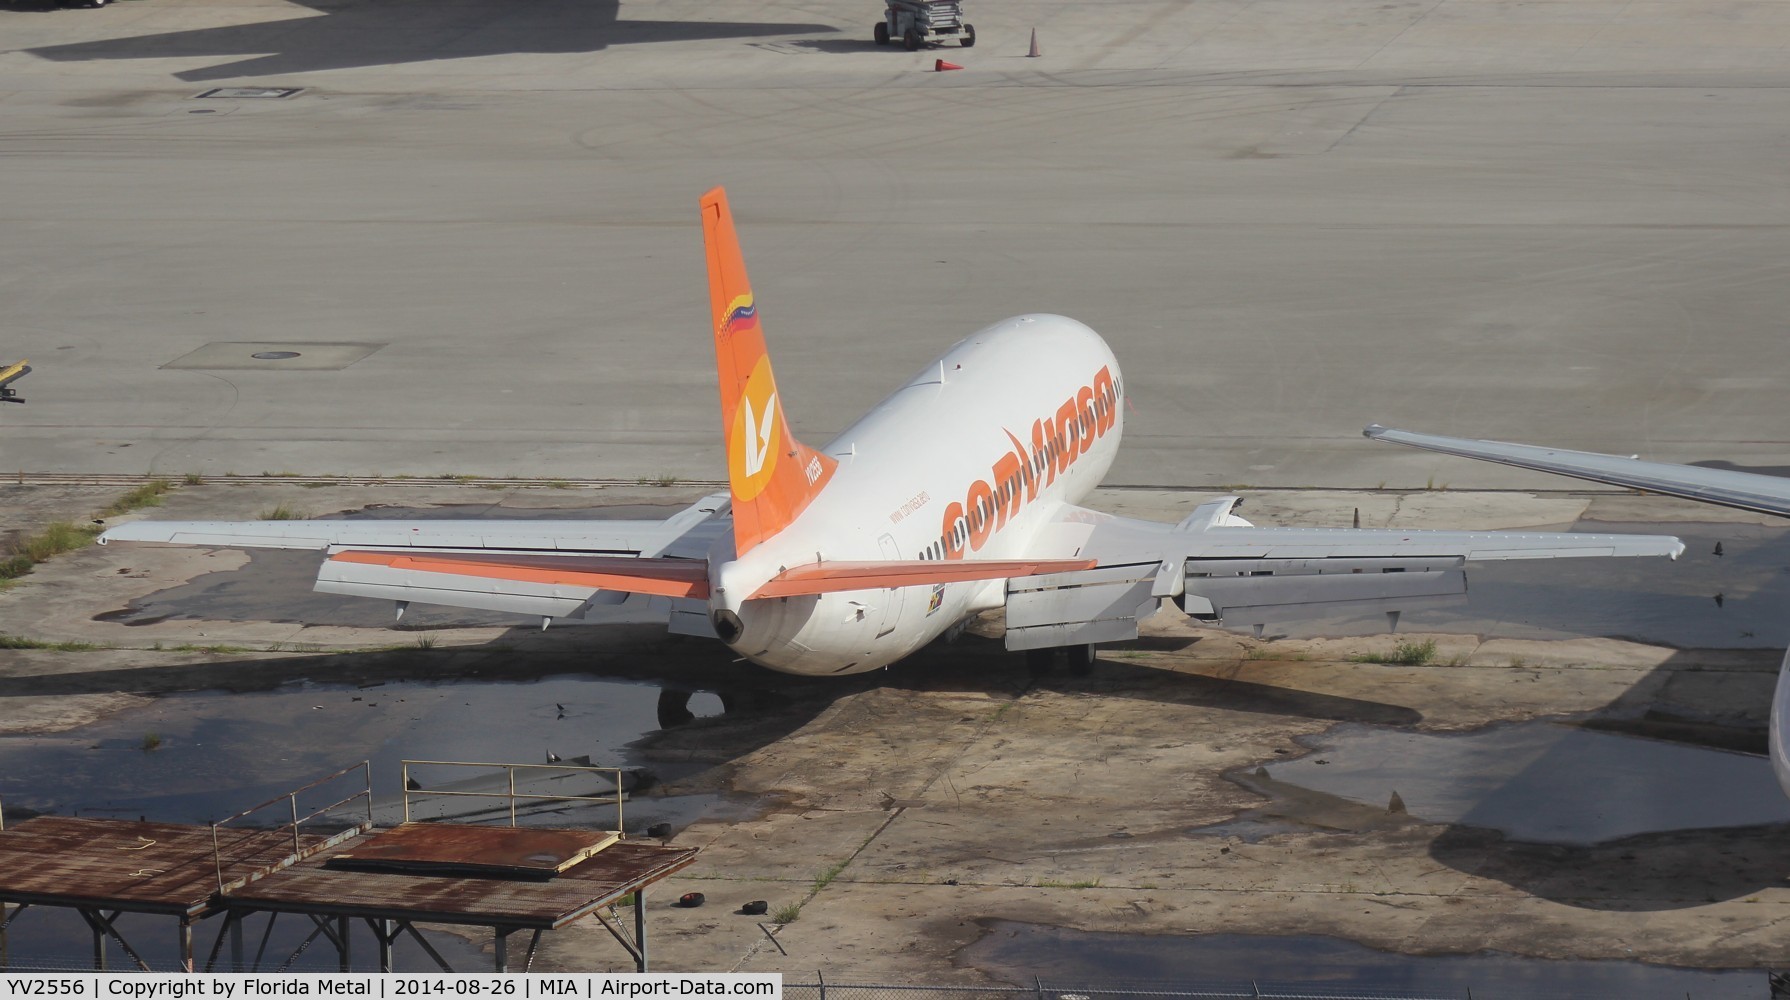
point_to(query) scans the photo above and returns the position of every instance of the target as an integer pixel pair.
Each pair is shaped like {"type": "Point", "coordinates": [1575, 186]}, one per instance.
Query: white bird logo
{"type": "Point", "coordinates": [758, 437]}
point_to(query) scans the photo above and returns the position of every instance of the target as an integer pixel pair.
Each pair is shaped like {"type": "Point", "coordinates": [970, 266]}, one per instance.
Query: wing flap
{"type": "Point", "coordinates": [386, 583]}
{"type": "Point", "coordinates": [1261, 596]}
{"type": "Point", "coordinates": [836, 577]}
{"type": "Point", "coordinates": [1381, 543]}
{"type": "Point", "coordinates": [1070, 609]}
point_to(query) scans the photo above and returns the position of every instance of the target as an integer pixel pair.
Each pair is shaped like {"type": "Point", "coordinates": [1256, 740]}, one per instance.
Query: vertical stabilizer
{"type": "Point", "coordinates": [772, 475]}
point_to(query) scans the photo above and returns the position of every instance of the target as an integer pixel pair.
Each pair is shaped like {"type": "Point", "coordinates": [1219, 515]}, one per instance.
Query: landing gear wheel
{"type": "Point", "coordinates": [969, 36]}
{"type": "Point", "coordinates": [1081, 660]}
{"type": "Point", "coordinates": [911, 40]}
{"type": "Point", "coordinates": [881, 33]}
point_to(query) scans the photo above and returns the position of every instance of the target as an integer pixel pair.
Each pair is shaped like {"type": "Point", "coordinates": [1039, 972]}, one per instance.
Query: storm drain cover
{"type": "Point", "coordinates": [227, 356]}
{"type": "Point", "coordinates": [249, 93]}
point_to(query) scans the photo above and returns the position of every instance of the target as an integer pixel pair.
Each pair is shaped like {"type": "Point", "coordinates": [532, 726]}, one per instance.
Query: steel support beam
{"type": "Point", "coordinates": [640, 927]}
{"type": "Point", "coordinates": [103, 927]}
{"type": "Point", "coordinates": [185, 944]}
{"type": "Point", "coordinates": [423, 942]}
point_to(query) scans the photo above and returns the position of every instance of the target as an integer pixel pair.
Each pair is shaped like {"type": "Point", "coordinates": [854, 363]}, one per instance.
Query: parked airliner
{"type": "Point", "coordinates": [848, 557]}
{"type": "Point", "coordinates": [1723, 487]}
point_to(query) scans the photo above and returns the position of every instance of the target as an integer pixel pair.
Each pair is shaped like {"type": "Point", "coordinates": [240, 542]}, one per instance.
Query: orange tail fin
{"type": "Point", "coordinates": [774, 476]}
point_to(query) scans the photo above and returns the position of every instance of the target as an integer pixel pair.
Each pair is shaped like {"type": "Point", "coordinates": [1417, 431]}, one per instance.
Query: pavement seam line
{"type": "Point", "coordinates": [975, 738]}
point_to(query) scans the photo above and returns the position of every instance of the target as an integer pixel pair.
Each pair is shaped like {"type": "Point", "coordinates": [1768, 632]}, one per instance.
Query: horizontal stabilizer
{"type": "Point", "coordinates": [660, 577]}
{"type": "Point", "coordinates": [834, 577]}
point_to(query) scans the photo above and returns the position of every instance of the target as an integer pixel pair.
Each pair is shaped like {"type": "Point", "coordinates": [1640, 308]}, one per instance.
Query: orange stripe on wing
{"type": "Point", "coordinates": [833, 577]}
{"type": "Point", "coordinates": [659, 577]}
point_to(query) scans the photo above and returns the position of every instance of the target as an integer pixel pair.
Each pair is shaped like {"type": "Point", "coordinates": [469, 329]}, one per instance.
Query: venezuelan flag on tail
{"type": "Point", "coordinates": [773, 476]}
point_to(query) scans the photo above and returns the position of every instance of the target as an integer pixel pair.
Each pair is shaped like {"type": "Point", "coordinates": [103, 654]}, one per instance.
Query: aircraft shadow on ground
{"type": "Point", "coordinates": [1666, 870]}
{"type": "Point", "coordinates": [359, 33]}
{"type": "Point", "coordinates": [275, 579]}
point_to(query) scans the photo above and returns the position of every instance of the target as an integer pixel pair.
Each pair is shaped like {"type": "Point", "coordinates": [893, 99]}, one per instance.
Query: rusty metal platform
{"type": "Point", "coordinates": [392, 903]}
{"type": "Point", "coordinates": [313, 886]}
{"type": "Point", "coordinates": [470, 850]}
{"type": "Point", "coordinates": [137, 867]}
{"type": "Point", "coordinates": [510, 879]}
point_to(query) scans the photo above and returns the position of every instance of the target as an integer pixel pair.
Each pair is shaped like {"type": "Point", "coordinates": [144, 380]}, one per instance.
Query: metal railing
{"type": "Point", "coordinates": [411, 787]}
{"type": "Point", "coordinates": [297, 821]}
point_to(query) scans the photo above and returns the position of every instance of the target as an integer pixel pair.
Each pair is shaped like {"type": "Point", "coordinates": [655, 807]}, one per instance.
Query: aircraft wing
{"type": "Point", "coordinates": [1218, 567]}
{"type": "Point", "coordinates": [1745, 490]}
{"type": "Point", "coordinates": [552, 568]}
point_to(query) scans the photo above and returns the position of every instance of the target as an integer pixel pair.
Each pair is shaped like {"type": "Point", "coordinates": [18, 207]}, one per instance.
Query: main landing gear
{"type": "Point", "coordinates": [1080, 657]}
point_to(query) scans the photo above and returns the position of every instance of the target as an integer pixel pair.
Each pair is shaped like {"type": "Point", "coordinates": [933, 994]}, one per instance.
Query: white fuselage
{"type": "Point", "coordinates": [972, 459]}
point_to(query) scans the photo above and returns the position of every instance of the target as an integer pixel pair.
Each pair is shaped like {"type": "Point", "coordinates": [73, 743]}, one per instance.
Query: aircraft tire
{"type": "Point", "coordinates": [911, 40]}
{"type": "Point", "coordinates": [881, 34]}
{"type": "Point", "coordinates": [969, 36]}
{"type": "Point", "coordinates": [1081, 659]}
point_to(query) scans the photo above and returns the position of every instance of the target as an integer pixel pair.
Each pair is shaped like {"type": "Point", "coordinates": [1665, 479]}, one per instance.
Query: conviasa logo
{"type": "Point", "coordinates": [1017, 476]}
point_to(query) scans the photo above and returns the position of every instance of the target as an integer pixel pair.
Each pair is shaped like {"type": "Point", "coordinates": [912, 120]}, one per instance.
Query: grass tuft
{"type": "Point", "coordinates": [283, 512]}
{"type": "Point", "coordinates": [787, 913]}
{"type": "Point", "coordinates": [147, 495]}
{"type": "Point", "coordinates": [826, 878]}
{"type": "Point", "coordinates": [55, 539]}
{"type": "Point", "coordinates": [1405, 654]}
{"type": "Point", "coordinates": [20, 642]}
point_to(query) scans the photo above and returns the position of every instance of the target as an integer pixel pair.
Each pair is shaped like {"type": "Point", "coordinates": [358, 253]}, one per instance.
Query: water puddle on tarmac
{"type": "Point", "coordinates": [198, 757]}
{"type": "Point", "coordinates": [1646, 600]}
{"type": "Point", "coordinates": [1538, 782]}
{"type": "Point", "coordinates": [1261, 965]}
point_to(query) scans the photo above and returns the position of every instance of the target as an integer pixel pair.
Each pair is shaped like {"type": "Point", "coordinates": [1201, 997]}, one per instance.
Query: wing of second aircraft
{"type": "Point", "coordinates": [1745, 490]}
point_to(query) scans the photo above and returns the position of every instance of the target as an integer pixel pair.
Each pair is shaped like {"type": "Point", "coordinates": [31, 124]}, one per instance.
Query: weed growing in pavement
{"type": "Point", "coordinates": [1405, 654]}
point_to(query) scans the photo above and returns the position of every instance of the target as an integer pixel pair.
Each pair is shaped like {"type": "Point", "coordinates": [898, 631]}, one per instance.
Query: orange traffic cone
{"type": "Point", "coordinates": [1034, 53]}
{"type": "Point", "coordinates": [939, 66]}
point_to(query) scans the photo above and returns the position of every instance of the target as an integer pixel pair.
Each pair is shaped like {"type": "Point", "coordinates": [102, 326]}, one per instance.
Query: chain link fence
{"type": "Point", "coordinates": [1765, 987]}
{"type": "Point", "coordinates": [1734, 985]}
